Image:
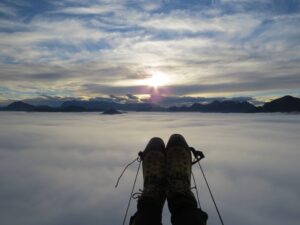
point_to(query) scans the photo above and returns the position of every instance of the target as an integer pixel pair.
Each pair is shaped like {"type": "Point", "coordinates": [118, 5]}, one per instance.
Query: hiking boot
{"type": "Point", "coordinates": [179, 168]}
{"type": "Point", "coordinates": [153, 160]}
{"type": "Point", "coordinates": [150, 203]}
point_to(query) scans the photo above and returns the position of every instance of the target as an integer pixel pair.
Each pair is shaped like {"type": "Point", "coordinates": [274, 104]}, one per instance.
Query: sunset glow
{"type": "Point", "coordinates": [54, 50]}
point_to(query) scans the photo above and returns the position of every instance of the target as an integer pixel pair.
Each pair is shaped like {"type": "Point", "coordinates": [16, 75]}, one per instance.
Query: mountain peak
{"type": "Point", "coordinates": [19, 106]}
{"type": "Point", "coordinates": [284, 104]}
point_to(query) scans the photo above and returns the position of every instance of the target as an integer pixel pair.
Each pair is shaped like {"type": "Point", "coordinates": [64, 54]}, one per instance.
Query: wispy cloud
{"type": "Point", "coordinates": [90, 10]}
{"type": "Point", "coordinates": [208, 43]}
{"type": "Point", "coordinates": [7, 10]}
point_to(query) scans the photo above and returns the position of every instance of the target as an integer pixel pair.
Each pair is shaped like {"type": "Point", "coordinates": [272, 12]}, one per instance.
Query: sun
{"type": "Point", "coordinates": [157, 80]}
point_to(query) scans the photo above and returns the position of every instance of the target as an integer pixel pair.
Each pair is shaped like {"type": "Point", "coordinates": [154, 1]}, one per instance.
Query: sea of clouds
{"type": "Point", "coordinates": [61, 168]}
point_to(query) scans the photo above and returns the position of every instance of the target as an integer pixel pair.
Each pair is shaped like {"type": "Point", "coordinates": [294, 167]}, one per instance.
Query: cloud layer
{"type": "Point", "coordinates": [218, 47]}
{"type": "Point", "coordinates": [61, 169]}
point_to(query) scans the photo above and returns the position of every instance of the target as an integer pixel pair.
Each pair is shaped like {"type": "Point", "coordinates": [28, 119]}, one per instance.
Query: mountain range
{"type": "Point", "coordinates": [283, 104]}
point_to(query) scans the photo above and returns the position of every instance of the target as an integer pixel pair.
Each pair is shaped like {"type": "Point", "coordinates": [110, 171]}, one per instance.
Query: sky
{"type": "Point", "coordinates": [60, 169]}
{"type": "Point", "coordinates": [193, 48]}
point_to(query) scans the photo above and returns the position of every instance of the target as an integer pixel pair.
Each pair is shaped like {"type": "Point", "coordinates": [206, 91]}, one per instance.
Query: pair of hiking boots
{"type": "Point", "coordinates": [167, 176]}
{"type": "Point", "coordinates": [167, 170]}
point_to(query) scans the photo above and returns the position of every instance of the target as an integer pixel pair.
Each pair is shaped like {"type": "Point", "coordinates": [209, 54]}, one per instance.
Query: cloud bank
{"type": "Point", "coordinates": [61, 169]}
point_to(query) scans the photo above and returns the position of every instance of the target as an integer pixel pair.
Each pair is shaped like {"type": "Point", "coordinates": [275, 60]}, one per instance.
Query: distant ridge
{"type": "Point", "coordinates": [217, 106]}
{"type": "Point", "coordinates": [283, 104]}
{"type": "Point", "coordinates": [19, 106]}
{"type": "Point", "coordinates": [112, 111]}
{"type": "Point", "coordinates": [102, 105]}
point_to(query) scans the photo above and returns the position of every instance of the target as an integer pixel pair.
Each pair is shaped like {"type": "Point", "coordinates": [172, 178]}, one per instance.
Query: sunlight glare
{"type": "Point", "coordinates": [158, 79]}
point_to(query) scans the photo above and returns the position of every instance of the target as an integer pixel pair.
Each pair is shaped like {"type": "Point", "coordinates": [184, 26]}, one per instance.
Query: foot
{"type": "Point", "coordinates": [152, 199]}
{"type": "Point", "coordinates": [153, 160]}
{"type": "Point", "coordinates": [179, 164]}
{"type": "Point", "coordinates": [181, 200]}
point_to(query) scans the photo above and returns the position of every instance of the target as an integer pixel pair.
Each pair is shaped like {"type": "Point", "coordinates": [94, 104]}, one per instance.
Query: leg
{"type": "Point", "coordinates": [181, 200]}
{"type": "Point", "coordinates": [151, 202]}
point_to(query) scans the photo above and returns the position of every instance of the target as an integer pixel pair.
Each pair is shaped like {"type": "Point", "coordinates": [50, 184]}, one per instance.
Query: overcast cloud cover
{"type": "Point", "coordinates": [94, 48]}
{"type": "Point", "coordinates": [60, 169]}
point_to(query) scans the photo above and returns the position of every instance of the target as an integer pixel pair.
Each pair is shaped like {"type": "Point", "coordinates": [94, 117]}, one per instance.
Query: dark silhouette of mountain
{"type": "Point", "coordinates": [19, 106]}
{"type": "Point", "coordinates": [142, 107]}
{"type": "Point", "coordinates": [92, 105]}
{"type": "Point", "coordinates": [229, 106]}
{"type": "Point", "coordinates": [284, 104]}
{"type": "Point", "coordinates": [84, 106]}
{"type": "Point", "coordinates": [22, 106]}
{"type": "Point", "coordinates": [218, 106]}
{"type": "Point", "coordinates": [106, 105]}
{"type": "Point", "coordinates": [72, 108]}
{"type": "Point", "coordinates": [44, 108]}
{"type": "Point", "coordinates": [112, 111]}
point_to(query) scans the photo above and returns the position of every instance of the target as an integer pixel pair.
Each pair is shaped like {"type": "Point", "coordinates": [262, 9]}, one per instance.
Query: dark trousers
{"type": "Point", "coordinates": [183, 210]}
